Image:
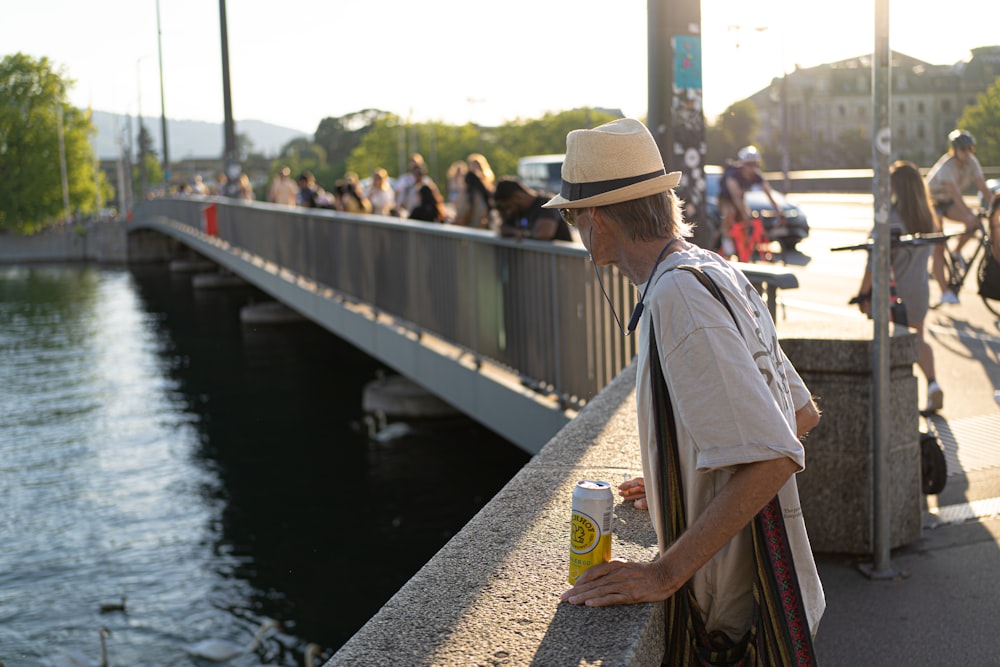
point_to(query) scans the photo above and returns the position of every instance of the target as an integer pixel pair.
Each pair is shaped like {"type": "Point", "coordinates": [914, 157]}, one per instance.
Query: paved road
{"type": "Point", "coordinates": [965, 339]}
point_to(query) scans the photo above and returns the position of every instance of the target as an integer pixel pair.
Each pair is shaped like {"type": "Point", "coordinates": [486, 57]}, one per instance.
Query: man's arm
{"type": "Point", "coordinates": [546, 225]}
{"type": "Point", "coordinates": [766, 187]}
{"type": "Point", "coordinates": [985, 190]}
{"type": "Point", "coordinates": [618, 582]}
{"type": "Point", "coordinates": [806, 418]}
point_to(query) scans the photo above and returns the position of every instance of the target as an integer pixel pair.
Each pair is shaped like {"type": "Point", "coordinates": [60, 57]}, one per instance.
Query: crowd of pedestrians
{"type": "Point", "coordinates": [473, 197]}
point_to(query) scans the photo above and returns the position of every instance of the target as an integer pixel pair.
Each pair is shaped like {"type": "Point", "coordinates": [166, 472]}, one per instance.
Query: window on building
{"type": "Point", "coordinates": [861, 112]}
{"type": "Point", "coordinates": [841, 111]}
{"type": "Point", "coordinates": [920, 107]}
{"type": "Point", "coordinates": [901, 108]}
{"type": "Point", "coordinates": [921, 133]}
{"type": "Point", "coordinates": [945, 105]}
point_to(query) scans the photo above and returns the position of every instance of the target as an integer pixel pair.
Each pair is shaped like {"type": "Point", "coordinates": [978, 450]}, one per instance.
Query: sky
{"type": "Point", "coordinates": [455, 61]}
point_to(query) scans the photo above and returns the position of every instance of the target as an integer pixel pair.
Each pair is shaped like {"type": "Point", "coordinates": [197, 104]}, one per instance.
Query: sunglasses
{"type": "Point", "coordinates": [569, 215]}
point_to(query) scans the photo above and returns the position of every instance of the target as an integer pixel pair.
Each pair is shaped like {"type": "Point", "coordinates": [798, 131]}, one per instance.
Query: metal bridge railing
{"type": "Point", "coordinates": [532, 307]}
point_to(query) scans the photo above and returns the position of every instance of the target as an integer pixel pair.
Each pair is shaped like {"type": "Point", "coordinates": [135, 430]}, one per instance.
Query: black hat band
{"type": "Point", "coordinates": [577, 191]}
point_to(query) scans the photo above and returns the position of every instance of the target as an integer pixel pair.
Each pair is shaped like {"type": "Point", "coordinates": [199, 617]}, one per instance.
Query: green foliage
{"type": "Point", "coordinates": [717, 148]}
{"type": "Point", "coordinates": [983, 120]}
{"type": "Point", "coordinates": [739, 124]}
{"type": "Point", "coordinates": [154, 172]}
{"type": "Point", "coordinates": [300, 155]}
{"type": "Point", "coordinates": [340, 136]}
{"type": "Point", "coordinates": [32, 95]}
{"type": "Point", "coordinates": [390, 141]}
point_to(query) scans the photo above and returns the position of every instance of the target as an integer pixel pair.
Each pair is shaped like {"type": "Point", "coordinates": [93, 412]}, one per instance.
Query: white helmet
{"type": "Point", "coordinates": [749, 154]}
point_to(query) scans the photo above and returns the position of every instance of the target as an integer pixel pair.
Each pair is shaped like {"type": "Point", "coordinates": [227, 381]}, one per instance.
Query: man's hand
{"type": "Point", "coordinates": [634, 490]}
{"type": "Point", "coordinates": [621, 582]}
{"type": "Point", "coordinates": [751, 487]}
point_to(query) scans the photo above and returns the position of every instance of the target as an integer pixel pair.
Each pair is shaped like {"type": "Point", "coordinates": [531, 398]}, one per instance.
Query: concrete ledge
{"type": "Point", "coordinates": [837, 486]}
{"type": "Point", "coordinates": [102, 242]}
{"type": "Point", "coordinates": [491, 595]}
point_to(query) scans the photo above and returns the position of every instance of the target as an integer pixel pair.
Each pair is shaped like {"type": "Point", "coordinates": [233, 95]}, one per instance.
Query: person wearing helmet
{"type": "Point", "coordinates": [955, 171]}
{"type": "Point", "coordinates": [737, 178]}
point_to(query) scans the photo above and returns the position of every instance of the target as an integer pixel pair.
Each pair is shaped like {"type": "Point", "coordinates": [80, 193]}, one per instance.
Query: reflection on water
{"type": "Point", "coordinates": [153, 447]}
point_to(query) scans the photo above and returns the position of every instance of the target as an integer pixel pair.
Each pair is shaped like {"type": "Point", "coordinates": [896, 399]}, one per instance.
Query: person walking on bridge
{"type": "Point", "coordinates": [720, 413]}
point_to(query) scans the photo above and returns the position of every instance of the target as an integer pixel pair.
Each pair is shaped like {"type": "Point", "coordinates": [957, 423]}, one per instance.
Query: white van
{"type": "Point", "coordinates": [541, 172]}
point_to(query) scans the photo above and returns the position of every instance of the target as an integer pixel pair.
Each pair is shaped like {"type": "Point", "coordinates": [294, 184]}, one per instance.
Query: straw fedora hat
{"type": "Point", "coordinates": [612, 163]}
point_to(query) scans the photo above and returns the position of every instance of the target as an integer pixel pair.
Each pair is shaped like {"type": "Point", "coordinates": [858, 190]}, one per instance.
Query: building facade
{"type": "Point", "coordinates": [830, 106]}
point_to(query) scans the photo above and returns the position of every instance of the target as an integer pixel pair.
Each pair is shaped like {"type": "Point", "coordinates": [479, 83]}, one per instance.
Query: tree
{"type": "Point", "coordinates": [32, 97]}
{"type": "Point", "coordinates": [982, 119]}
{"type": "Point", "coordinates": [301, 155]}
{"type": "Point", "coordinates": [739, 123]}
{"type": "Point", "coordinates": [340, 136]}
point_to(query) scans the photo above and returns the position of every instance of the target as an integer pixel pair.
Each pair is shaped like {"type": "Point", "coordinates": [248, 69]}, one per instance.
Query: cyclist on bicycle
{"type": "Point", "coordinates": [955, 171]}
{"type": "Point", "coordinates": [737, 178]}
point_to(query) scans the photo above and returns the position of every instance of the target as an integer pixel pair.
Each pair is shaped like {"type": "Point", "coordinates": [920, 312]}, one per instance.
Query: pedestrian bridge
{"type": "Point", "coordinates": [515, 334]}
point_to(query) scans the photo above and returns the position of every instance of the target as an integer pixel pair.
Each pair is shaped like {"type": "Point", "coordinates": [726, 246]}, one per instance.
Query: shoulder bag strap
{"type": "Point", "coordinates": [780, 633]}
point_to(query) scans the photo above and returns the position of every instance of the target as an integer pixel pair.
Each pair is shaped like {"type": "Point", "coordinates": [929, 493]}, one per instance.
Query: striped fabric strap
{"type": "Point", "coordinates": [779, 633]}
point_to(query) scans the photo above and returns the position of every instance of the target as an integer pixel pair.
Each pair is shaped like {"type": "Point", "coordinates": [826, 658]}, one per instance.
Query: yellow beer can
{"type": "Point", "coordinates": [590, 528]}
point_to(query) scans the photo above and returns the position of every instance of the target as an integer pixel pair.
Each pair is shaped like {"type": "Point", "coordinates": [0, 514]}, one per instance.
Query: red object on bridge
{"type": "Point", "coordinates": [210, 219]}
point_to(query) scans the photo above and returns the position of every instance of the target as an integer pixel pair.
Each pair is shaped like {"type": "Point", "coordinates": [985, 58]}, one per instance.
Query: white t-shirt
{"type": "Point", "coordinates": [734, 403]}
{"type": "Point", "coordinates": [948, 168]}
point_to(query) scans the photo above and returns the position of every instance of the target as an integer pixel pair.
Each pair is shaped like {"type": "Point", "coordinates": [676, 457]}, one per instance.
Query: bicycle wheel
{"type": "Point", "coordinates": [988, 277]}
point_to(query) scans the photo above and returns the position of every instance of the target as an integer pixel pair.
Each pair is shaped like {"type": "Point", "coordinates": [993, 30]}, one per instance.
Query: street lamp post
{"type": "Point", "coordinates": [231, 157]}
{"type": "Point", "coordinates": [143, 177]}
{"type": "Point", "coordinates": [163, 111]}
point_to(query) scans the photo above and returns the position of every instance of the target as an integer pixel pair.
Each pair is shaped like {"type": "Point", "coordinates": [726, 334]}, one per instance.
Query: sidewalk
{"type": "Point", "coordinates": [944, 608]}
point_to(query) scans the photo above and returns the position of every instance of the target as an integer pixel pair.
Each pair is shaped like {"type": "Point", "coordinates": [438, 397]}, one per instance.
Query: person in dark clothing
{"type": "Point", "coordinates": [431, 206]}
{"type": "Point", "coordinates": [308, 195]}
{"type": "Point", "coordinates": [523, 217]}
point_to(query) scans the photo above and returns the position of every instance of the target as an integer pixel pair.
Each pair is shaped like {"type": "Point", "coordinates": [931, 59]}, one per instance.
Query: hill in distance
{"type": "Point", "coordinates": [188, 138]}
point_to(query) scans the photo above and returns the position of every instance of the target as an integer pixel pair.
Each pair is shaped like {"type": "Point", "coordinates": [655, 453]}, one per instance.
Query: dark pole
{"type": "Point", "coordinates": [676, 116]}
{"type": "Point", "coordinates": [230, 157]}
{"type": "Point", "coordinates": [143, 179]}
{"type": "Point", "coordinates": [785, 159]}
{"type": "Point", "coordinates": [163, 108]}
{"type": "Point", "coordinates": [881, 566]}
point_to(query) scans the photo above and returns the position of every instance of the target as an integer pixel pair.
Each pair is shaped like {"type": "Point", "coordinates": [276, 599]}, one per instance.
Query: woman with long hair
{"type": "Point", "coordinates": [911, 213]}
{"type": "Point", "coordinates": [473, 206]}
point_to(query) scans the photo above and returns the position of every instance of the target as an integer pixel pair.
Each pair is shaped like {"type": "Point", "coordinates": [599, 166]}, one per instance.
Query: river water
{"type": "Point", "coordinates": [153, 447]}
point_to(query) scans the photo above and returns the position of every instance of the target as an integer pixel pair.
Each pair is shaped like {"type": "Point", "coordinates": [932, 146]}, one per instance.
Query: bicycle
{"type": "Point", "coordinates": [933, 466]}
{"type": "Point", "coordinates": [752, 246]}
{"type": "Point", "coordinates": [957, 267]}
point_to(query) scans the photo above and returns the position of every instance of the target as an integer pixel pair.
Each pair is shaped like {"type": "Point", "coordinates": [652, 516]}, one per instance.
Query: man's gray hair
{"type": "Point", "coordinates": [657, 216]}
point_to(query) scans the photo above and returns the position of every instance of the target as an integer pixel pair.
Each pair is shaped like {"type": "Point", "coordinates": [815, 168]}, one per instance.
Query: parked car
{"type": "Point", "coordinates": [796, 225]}
{"type": "Point", "coordinates": [541, 172]}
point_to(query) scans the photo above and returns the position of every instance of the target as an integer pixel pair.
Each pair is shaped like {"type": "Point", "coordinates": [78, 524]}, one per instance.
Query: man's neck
{"type": "Point", "coordinates": [640, 258]}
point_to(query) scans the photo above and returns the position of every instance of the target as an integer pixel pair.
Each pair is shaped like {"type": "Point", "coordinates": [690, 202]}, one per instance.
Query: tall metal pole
{"type": "Point", "coordinates": [676, 115]}
{"type": "Point", "coordinates": [62, 159]}
{"type": "Point", "coordinates": [230, 157]}
{"type": "Point", "coordinates": [163, 108]}
{"type": "Point", "coordinates": [881, 568]}
{"type": "Point", "coordinates": [143, 178]}
{"type": "Point", "coordinates": [785, 155]}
